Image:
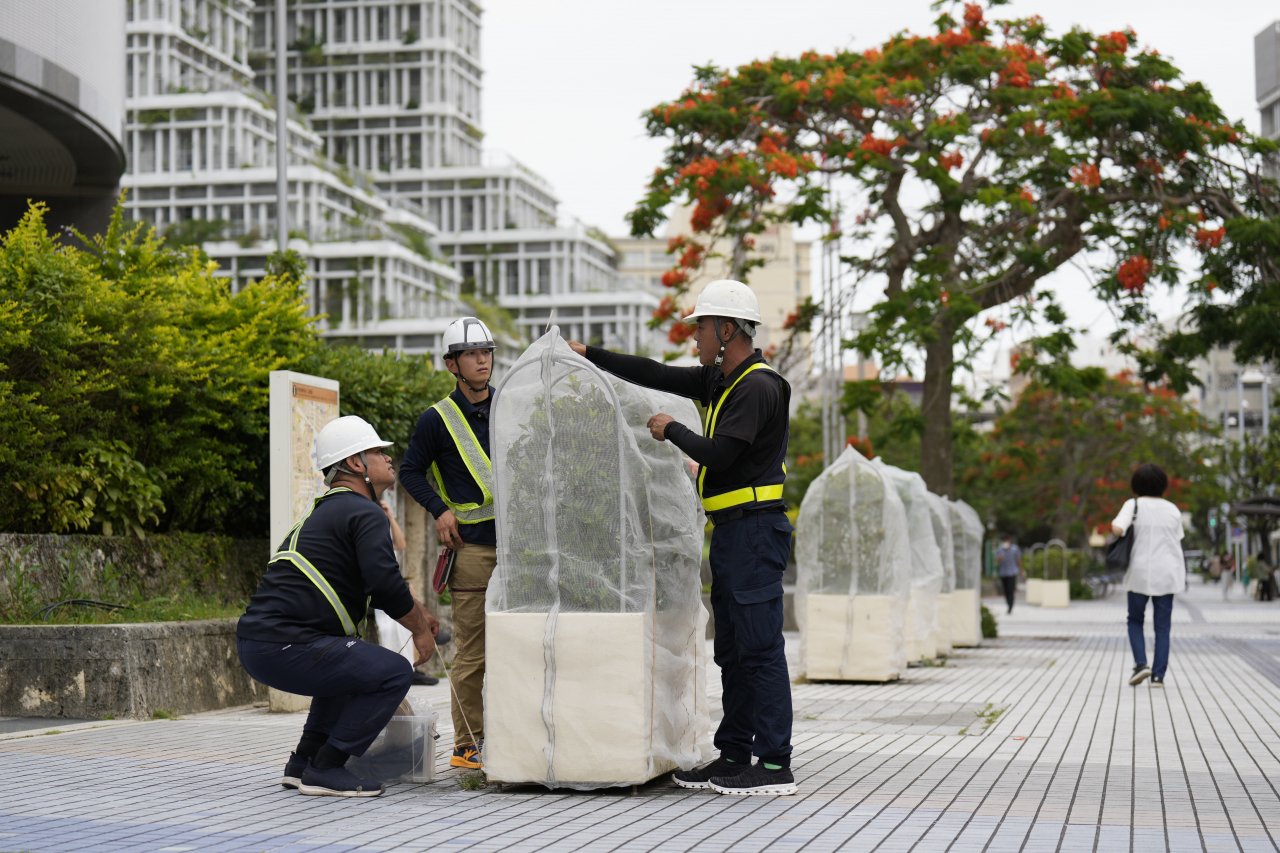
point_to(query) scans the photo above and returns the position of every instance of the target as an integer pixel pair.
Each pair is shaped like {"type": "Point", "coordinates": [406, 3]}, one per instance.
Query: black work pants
{"type": "Point", "coordinates": [1010, 584]}
{"type": "Point", "coordinates": [748, 557]}
{"type": "Point", "coordinates": [355, 687]}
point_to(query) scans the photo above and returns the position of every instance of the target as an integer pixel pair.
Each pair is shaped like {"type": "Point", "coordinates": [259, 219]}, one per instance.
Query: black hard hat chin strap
{"type": "Point", "coordinates": [722, 341]}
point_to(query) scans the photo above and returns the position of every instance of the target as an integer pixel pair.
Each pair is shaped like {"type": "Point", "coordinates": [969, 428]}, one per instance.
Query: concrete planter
{"type": "Point", "coordinates": [1035, 590]}
{"type": "Point", "coordinates": [131, 670]}
{"type": "Point", "coordinates": [942, 639]}
{"type": "Point", "coordinates": [1055, 593]}
{"type": "Point", "coordinates": [966, 619]}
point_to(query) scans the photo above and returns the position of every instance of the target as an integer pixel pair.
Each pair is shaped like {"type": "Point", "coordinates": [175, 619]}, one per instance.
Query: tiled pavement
{"type": "Point", "coordinates": [1031, 743]}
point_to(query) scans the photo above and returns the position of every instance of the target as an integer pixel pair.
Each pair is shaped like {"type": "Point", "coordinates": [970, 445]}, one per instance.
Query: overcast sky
{"type": "Point", "coordinates": [566, 80]}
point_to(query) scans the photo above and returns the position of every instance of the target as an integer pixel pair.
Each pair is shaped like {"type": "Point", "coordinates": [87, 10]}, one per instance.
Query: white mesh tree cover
{"type": "Point", "coordinates": [966, 534]}
{"type": "Point", "coordinates": [594, 624]}
{"type": "Point", "coordinates": [853, 574]}
{"type": "Point", "coordinates": [926, 563]}
{"type": "Point", "coordinates": [940, 514]}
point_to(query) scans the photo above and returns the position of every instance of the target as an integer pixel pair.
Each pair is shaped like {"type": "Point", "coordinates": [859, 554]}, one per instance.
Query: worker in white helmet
{"type": "Point", "coordinates": [740, 477]}
{"type": "Point", "coordinates": [451, 442]}
{"type": "Point", "coordinates": [300, 633]}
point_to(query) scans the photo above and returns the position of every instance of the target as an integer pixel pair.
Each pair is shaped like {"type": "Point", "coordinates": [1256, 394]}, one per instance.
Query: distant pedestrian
{"type": "Point", "coordinates": [1157, 568]}
{"type": "Point", "coordinates": [1266, 580]}
{"type": "Point", "coordinates": [1215, 568]}
{"type": "Point", "coordinates": [1009, 561]}
{"type": "Point", "coordinates": [1228, 574]}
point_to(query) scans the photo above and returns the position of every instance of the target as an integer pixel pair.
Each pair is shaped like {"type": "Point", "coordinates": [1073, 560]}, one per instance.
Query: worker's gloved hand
{"type": "Point", "coordinates": [447, 531]}
{"type": "Point", "coordinates": [658, 426]}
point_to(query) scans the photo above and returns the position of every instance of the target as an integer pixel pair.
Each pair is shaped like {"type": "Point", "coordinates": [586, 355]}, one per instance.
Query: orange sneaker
{"type": "Point", "coordinates": [466, 756]}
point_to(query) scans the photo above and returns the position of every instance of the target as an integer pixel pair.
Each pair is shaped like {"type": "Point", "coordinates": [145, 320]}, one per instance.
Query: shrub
{"type": "Point", "coordinates": [989, 628]}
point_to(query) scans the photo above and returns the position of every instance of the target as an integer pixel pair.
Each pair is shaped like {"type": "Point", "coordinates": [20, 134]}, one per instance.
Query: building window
{"type": "Point", "coordinates": [384, 23]}
{"type": "Point", "coordinates": [544, 275]}
{"type": "Point", "coordinates": [513, 278]}
{"type": "Point", "coordinates": [384, 153]}
{"type": "Point", "coordinates": [340, 25]}
{"type": "Point", "coordinates": [384, 87]}
{"type": "Point", "coordinates": [466, 213]}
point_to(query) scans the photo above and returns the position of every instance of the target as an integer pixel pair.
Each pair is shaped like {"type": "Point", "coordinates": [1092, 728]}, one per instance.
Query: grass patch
{"type": "Point", "coordinates": [108, 716]}
{"type": "Point", "coordinates": [931, 662]}
{"type": "Point", "coordinates": [161, 714]}
{"type": "Point", "coordinates": [987, 716]}
{"type": "Point", "coordinates": [473, 781]}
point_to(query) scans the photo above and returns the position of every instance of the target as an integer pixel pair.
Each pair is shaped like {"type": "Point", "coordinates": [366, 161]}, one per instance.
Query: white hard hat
{"type": "Point", "coordinates": [467, 333]}
{"type": "Point", "coordinates": [346, 436]}
{"type": "Point", "coordinates": [726, 298]}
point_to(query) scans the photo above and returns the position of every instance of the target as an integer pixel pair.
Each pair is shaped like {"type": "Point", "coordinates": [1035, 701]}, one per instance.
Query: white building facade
{"type": "Point", "coordinates": [200, 142]}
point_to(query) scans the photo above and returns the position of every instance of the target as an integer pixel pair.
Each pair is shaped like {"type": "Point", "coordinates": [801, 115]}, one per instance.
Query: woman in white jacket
{"type": "Point", "coordinates": [1157, 568]}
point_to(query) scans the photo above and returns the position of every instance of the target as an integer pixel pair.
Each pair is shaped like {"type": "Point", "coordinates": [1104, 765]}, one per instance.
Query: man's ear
{"type": "Point", "coordinates": [354, 464]}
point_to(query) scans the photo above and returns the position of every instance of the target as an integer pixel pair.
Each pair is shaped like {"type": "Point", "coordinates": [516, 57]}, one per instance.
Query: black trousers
{"type": "Point", "coordinates": [1010, 583]}
{"type": "Point", "coordinates": [355, 687]}
{"type": "Point", "coordinates": [748, 556]}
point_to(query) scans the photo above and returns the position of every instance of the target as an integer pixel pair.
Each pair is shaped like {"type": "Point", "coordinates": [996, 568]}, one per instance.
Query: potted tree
{"type": "Point", "coordinates": [594, 624]}
{"type": "Point", "coordinates": [926, 564]}
{"type": "Point", "coordinates": [940, 515]}
{"type": "Point", "coordinates": [853, 574]}
{"type": "Point", "coordinates": [966, 605]}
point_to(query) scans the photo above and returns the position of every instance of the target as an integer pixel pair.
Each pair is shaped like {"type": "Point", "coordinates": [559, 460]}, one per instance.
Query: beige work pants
{"type": "Point", "coordinates": [471, 572]}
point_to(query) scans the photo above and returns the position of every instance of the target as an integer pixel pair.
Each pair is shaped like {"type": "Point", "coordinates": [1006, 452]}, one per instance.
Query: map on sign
{"type": "Point", "coordinates": [310, 409]}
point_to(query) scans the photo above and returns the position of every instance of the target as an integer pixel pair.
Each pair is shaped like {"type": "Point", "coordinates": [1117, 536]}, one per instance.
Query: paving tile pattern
{"type": "Point", "coordinates": [1031, 743]}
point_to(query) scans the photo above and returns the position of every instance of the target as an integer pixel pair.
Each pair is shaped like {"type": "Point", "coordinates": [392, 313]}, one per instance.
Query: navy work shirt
{"type": "Point", "coordinates": [431, 442]}
{"type": "Point", "coordinates": [756, 412]}
{"type": "Point", "coordinates": [346, 539]}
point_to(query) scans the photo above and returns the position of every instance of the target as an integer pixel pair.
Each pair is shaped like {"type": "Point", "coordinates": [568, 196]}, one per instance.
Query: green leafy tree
{"type": "Point", "coordinates": [989, 155]}
{"type": "Point", "coordinates": [390, 392]}
{"type": "Point", "coordinates": [1064, 461]}
{"type": "Point", "coordinates": [133, 382]}
{"type": "Point", "coordinates": [1251, 468]}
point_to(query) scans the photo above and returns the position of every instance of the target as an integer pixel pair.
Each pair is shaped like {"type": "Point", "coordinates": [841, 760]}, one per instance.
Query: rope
{"type": "Point", "coordinates": [452, 689]}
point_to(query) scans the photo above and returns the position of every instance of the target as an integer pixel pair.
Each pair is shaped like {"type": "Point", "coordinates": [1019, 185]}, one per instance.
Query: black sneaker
{"type": "Point", "coordinates": [337, 782]}
{"type": "Point", "coordinates": [1158, 681]}
{"type": "Point", "coordinates": [1140, 674]}
{"type": "Point", "coordinates": [293, 771]}
{"type": "Point", "coordinates": [423, 678]}
{"type": "Point", "coordinates": [701, 777]}
{"type": "Point", "coordinates": [757, 781]}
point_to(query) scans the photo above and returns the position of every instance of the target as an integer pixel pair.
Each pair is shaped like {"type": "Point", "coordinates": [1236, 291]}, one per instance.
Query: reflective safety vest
{"type": "Point", "coordinates": [289, 553]}
{"type": "Point", "coordinates": [768, 486]}
{"type": "Point", "coordinates": [477, 462]}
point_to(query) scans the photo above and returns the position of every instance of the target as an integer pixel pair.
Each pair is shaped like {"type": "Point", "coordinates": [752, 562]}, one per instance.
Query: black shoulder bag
{"type": "Point", "coordinates": [1119, 551]}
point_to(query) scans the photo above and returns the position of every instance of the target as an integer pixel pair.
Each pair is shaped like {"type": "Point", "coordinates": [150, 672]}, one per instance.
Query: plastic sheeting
{"type": "Point", "coordinates": [405, 750]}
{"type": "Point", "coordinates": [853, 574]}
{"type": "Point", "coordinates": [594, 623]}
{"type": "Point", "coordinates": [966, 607]}
{"type": "Point", "coordinates": [926, 563]}
{"type": "Point", "coordinates": [940, 515]}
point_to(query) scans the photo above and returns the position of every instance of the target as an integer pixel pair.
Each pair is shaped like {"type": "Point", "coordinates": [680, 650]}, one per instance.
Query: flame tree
{"type": "Point", "coordinates": [988, 155]}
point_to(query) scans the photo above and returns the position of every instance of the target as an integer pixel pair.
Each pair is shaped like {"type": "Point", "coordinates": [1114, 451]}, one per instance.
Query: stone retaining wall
{"type": "Point", "coordinates": [127, 670]}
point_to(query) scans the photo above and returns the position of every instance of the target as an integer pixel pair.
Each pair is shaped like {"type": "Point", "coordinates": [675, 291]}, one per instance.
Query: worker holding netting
{"type": "Point", "coordinates": [741, 471]}
{"type": "Point", "coordinates": [451, 442]}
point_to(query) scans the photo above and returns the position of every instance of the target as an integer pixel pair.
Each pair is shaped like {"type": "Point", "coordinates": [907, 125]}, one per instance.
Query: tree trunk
{"type": "Point", "coordinates": [935, 447]}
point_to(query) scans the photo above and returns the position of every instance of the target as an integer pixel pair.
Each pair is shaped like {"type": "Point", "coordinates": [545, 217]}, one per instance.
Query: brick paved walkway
{"type": "Point", "coordinates": [1031, 743]}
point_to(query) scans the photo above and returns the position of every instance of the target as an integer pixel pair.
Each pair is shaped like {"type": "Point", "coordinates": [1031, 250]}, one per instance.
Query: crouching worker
{"type": "Point", "coordinates": [299, 633]}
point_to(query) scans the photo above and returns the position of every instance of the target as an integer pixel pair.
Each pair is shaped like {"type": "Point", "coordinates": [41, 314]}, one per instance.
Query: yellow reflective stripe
{"type": "Point", "coordinates": [759, 494]}
{"type": "Point", "coordinates": [313, 574]}
{"type": "Point", "coordinates": [714, 412]}
{"type": "Point", "coordinates": [297, 528]}
{"type": "Point", "coordinates": [476, 460]}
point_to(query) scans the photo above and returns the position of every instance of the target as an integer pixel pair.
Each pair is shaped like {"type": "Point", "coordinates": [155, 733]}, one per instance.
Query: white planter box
{"type": "Point", "coordinates": [966, 618]}
{"type": "Point", "coordinates": [942, 639]}
{"type": "Point", "coordinates": [921, 642]}
{"type": "Point", "coordinates": [1035, 587]}
{"type": "Point", "coordinates": [874, 650]}
{"type": "Point", "coordinates": [600, 706]}
{"type": "Point", "coordinates": [1055, 593]}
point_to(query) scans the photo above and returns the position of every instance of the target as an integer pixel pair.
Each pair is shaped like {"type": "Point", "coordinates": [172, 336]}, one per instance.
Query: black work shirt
{"type": "Point", "coordinates": [432, 442]}
{"type": "Point", "coordinates": [347, 539]}
{"type": "Point", "coordinates": [756, 411]}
